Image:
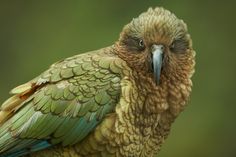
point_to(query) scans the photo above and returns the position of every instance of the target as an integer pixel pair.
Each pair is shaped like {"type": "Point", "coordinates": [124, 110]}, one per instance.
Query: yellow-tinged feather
{"type": "Point", "coordinates": [3, 116]}
{"type": "Point", "coordinates": [11, 103]}
{"type": "Point", "coordinates": [22, 88]}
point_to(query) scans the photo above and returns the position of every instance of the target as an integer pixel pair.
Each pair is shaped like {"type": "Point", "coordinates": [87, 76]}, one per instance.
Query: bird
{"type": "Point", "coordinates": [118, 101]}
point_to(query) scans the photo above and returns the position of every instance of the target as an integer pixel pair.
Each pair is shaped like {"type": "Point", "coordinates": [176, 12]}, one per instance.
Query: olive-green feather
{"type": "Point", "coordinates": [74, 96]}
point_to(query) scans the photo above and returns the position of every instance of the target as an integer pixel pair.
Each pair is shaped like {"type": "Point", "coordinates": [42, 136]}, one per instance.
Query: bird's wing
{"type": "Point", "coordinates": [62, 105]}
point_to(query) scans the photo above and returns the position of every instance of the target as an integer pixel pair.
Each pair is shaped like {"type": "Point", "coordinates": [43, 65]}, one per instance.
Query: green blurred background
{"type": "Point", "coordinates": [34, 34]}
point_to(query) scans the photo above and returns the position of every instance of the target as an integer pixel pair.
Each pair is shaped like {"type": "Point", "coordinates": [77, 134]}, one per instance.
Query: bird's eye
{"type": "Point", "coordinates": [134, 43]}
{"type": "Point", "coordinates": [141, 43]}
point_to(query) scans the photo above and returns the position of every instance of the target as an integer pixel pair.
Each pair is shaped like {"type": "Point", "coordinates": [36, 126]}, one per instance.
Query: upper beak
{"type": "Point", "coordinates": [157, 56]}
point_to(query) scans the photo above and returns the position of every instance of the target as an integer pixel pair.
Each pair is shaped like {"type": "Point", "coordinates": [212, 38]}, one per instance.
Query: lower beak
{"type": "Point", "coordinates": [157, 56]}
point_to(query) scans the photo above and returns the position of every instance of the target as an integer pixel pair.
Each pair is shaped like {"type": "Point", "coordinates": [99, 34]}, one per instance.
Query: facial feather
{"type": "Point", "coordinates": [157, 27]}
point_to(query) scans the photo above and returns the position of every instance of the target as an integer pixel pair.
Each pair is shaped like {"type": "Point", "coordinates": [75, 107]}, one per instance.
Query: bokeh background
{"type": "Point", "coordinates": [34, 34]}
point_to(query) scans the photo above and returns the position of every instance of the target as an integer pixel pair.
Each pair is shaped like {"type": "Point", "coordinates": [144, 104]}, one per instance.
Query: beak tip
{"type": "Point", "coordinates": [157, 80]}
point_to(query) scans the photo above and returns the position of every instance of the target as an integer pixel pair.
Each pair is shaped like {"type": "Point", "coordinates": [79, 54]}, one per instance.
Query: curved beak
{"type": "Point", "coordinates": [157, 56]}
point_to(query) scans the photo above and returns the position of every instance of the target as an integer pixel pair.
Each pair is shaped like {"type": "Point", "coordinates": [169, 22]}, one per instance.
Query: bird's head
{"type": "Point", "coordinates": [157, 44]}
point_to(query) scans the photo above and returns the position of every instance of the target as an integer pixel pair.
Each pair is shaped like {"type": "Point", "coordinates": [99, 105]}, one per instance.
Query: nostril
{"type": "Point", "coordinates": [162, 47]}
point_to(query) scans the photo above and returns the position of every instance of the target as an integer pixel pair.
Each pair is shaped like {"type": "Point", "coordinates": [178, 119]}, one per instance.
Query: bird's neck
{"type": "Point", "coordinates": [168, 98]}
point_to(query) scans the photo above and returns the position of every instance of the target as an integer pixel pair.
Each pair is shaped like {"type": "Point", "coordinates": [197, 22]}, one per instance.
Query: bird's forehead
{"type": "Point", "coordinates": [159, 25]}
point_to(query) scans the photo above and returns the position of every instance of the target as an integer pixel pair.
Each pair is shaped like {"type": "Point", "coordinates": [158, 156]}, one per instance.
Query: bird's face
{"type": "Point", "coordinates": [157, 45]}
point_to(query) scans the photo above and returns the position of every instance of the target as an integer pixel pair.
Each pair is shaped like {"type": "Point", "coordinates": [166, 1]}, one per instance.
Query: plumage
{"type": "Point", "coordinates": [117, 101]}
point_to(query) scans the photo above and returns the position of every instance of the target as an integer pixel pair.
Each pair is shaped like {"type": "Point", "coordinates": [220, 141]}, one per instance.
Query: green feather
{"type": "Point", "coordinates": [71, 64]}
{"type": "Point", "coordinates": [66, 73]}
{"type": "Point", "coordinates": [102, 97]}
{"type": "Point", "coordinates": [104, 63]}
{"type": "Point", "coordinates": [78, 70]}
{"type": "Point", "coordinates": [68, 95]}
{"type": "Point", "coordinates": [66, 108]}
{"type": "Point", "coordinates": [65, 126]}
{"type": "Point", "coordinates": [56, 76]}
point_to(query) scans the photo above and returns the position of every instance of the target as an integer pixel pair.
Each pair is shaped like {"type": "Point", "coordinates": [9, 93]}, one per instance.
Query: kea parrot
{"type": "Point", "coordinates": [118, 101]}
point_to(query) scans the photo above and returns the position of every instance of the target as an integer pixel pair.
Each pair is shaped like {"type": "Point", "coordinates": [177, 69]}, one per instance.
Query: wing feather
{"type": "Point", "coordinates": [64, 104]}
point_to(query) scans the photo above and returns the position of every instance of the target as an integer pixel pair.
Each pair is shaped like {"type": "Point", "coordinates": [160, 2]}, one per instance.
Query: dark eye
{"type": "Point", "coordinates": [134, 43]}
{"type": "Point", "coordinates": [141, 44]}
{"type": "Point", "coordinates": [179, 46]}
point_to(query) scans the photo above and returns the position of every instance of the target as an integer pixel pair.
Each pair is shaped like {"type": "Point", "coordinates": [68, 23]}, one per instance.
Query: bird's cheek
{"type": "Point", "coordinates": [142, 61]}
{"type": "Point", "coordinates": [167, 64]}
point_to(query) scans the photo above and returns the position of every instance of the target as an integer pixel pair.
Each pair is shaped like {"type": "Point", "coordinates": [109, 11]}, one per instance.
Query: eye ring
{"type": "Point", "coordinates": [141, 44]}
